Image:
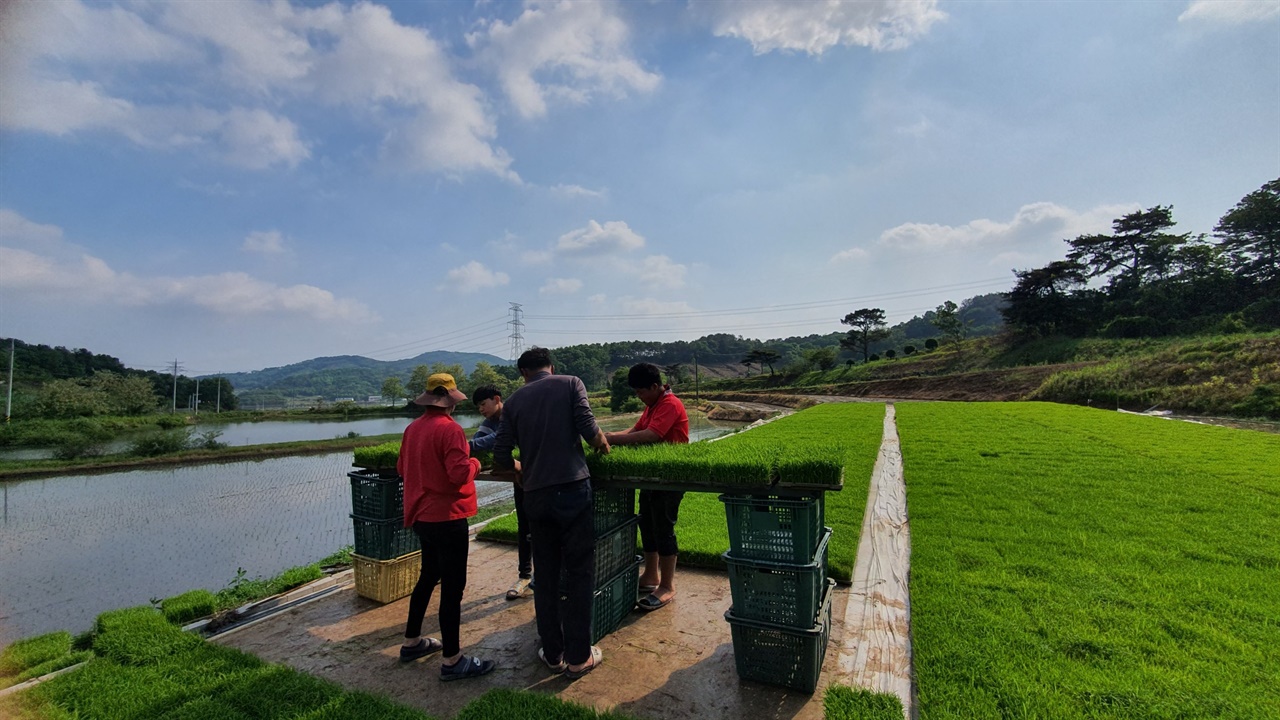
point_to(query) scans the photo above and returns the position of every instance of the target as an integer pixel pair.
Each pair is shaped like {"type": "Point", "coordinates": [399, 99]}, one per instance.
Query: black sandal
{"type": "Point", "coordinates": [466, 667]}
{"type": "Point", "coordinates": [425, 647]}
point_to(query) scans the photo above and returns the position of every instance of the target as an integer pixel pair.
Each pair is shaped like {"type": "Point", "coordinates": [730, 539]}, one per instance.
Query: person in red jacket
{"type": "Point", "coordinates": [439, 495]}
{"type": "Point", "coordinates": [664, 420]}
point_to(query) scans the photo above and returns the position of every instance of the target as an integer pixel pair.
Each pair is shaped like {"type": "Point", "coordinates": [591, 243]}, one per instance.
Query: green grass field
{"type": "Point", "coordinates": [1076, 563]}
{"type": "Point", "coordinates": [702, 530]}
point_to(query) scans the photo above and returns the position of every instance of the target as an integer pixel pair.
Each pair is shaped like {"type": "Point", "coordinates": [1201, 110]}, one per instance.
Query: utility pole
{"type": "Point", "coordinates": [175, 387]}
{"type": "Point", "coordinates": [219, 410]}
{"type": "Point", "coordinates": [8, 402]}
{"type": "Point", "coordinates": [197, 397]}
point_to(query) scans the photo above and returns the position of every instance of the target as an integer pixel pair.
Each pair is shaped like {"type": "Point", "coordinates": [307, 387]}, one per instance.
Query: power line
{"type": "Point", "coordinates": [975, 284]}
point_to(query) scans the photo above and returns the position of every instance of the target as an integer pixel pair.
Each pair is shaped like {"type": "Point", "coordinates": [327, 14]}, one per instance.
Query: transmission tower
{"type": "Point", "coordinates": [517, 339]}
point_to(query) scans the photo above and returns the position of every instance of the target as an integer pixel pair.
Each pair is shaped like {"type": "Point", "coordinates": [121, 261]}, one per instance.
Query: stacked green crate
{"type": "Point", "coordinates": [616, 578]}
{"type": "Point", "coordinates": [781, 613]}
{"type": "Point", "coordinates": [387, 557]}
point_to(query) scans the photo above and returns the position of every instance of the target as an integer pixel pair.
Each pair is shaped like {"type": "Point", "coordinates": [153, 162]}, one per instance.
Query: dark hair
{"type": "Point", "coordinates": [643, 375]}
{"type": "Point", "coordinates": [535, 358]}
{"type": "Point", "coordinates": [485, 392]}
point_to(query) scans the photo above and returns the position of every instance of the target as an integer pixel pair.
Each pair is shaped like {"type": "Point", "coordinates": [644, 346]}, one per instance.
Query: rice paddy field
{"type": "Point", "coordinates": [845, 434]}
{"type": "Point", "coordinates": [1078, 563]}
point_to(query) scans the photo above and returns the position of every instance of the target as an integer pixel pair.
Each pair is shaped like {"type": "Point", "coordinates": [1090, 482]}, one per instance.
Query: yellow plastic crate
{"type": "Point", "coordinates": [387, 580]}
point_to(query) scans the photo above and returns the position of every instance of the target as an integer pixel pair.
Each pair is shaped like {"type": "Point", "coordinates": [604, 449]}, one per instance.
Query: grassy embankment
{"type": "Point", "coordinates": [1229, 375]}
{"type": "Point", "coordinates": [702, 530]}
{"type": "Point", "coordinates": [1075, 563]}
{"type": "Point", "coordinates": [144, 667]}
{"type": "Point", "coordinates": [18, 469]}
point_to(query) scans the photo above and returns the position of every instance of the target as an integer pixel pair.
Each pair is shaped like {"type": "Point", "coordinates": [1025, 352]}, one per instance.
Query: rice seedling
{"type": "Point", "coordinates": [1077, 563]}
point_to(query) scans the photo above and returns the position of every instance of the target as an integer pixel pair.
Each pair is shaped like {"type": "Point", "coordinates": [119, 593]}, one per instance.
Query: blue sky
{"type": "Point", "coordinates": [241, 184]}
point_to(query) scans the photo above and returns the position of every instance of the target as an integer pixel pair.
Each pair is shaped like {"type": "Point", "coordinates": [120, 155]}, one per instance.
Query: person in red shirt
{"type": "Point", "coordinates": [439, 495]}
{"type": "Point", "coordinates": [664, 420]}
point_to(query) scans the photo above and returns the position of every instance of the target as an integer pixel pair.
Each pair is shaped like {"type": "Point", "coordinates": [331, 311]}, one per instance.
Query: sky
{"type": "Point", "coordinates": [238, 185]}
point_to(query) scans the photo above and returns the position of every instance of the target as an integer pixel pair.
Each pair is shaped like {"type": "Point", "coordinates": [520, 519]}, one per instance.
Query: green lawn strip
{"type": "Point", "coordinates": [502, 704]}
{"type": "Point", "coordinates": [1077, 563]}
{"type": "Point", "coordinates": [841, 702]}
{"type": "Point", "coordinates": [852, 429]}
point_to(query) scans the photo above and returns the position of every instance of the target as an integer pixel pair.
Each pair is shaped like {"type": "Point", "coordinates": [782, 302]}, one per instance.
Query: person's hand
{"type": "Point", "coordinates": [518, 478]}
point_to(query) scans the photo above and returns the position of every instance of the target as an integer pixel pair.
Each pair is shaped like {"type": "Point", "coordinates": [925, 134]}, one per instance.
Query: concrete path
{"type": "Point", "coordinates": [876, 651]}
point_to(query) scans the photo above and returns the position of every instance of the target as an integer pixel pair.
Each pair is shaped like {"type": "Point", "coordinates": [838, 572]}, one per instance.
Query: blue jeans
{"type": "Point", "coordinates": [561, 521]}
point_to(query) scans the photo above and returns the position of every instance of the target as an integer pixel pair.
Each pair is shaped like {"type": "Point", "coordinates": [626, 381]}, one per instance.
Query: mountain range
{"type": "Point", "coordinates": [348, 375]}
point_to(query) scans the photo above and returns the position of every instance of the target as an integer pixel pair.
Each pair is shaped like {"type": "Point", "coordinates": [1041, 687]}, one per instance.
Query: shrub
{"type": "Point", "coordinates": [160, 442]}
{"type": "Point", "coordinates": [208, 440]}
{"type": "Point", "coordinates": [874, 357]}
{"type": "Point", "coordinates": [1264, 314]}
{"type": "Point", "coordinates": [188, 606]}
{"type": "Point", "coordinates": [890, 353]}
{"type": "Point", "coordinates": [931, 344]}
{"type": "Point", "coordinates": [909, 350]}
{"type": "Point", "coordinates": [1132, 326]}
{"type": "Point", "coordinates": [169, 422]}
{"type": "Point", "coordinates": [1264, 401]}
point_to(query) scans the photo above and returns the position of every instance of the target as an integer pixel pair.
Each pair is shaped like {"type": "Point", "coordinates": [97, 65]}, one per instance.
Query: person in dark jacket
{"type": "Point", "coordinates": [548, 419]}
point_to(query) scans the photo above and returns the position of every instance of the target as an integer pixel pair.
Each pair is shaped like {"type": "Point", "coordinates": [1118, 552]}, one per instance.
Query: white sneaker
{"type": "Point", "coordinates": [519, 590]}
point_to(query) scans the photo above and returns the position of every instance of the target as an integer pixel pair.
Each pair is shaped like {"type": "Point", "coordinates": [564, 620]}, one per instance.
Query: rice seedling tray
{"type": "Point", "coordinates": [386, 580]}
{"type": "Point", "coordinates": [779, 655]}
{"type": "Point", "coordinates": [782, 593]}
{"type": "Point", "coordinates": [375, 496]}
{"type": "Point", "coordinates": [773, 527]}
{"type": "Point", "coordinates": [383, 539]}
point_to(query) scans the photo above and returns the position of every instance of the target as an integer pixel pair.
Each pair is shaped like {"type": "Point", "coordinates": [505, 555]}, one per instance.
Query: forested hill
{"type": "Point", "coordinates": [349, 375]}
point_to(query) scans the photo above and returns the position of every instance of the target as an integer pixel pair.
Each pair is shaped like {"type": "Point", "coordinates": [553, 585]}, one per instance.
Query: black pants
{"type": "Point", "coordinates": [564, 546]}
{"type": "Point", "coordinates": [659, 511]}
{"type": "Point", "coordinates": [524, 546]}
{"type": "Point", "coordinates": [444, 561]}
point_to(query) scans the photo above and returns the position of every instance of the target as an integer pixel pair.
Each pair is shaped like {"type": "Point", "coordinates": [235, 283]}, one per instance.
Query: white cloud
{"type": "Point", "coordinates": [61, 78]}
{"type": "Point", "coordinates": [816, 26]}
{"type": "Point", "coordinates": [1231, 12]}
{"type": "Point", "coordinates": [536, 257]}
{"type": "Point", "coordinates": [659, 270]}
{"type": "Point", "coordinates": [564, 51]}
{"type": "Point", "coordinates": [572, 191]}
{"type": "Point", "coordinates": [561, 286]}
{"type": "Point", "coordinates": [36, 262]}
{"type": "Point", "coordinates": [473, 277]}
{"type": "Point", "coordinates": [851, 255]}
{"type": "Point", "coordinates": [597, 239]}
{"type": "Point", "coordinates": [1036, 222]}
{"type": "Point", "coordinates": [264, 243]}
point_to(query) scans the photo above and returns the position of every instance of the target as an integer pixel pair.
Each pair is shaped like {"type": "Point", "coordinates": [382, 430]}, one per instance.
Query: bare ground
{"type": "Point", "coordinates": [676, 662]}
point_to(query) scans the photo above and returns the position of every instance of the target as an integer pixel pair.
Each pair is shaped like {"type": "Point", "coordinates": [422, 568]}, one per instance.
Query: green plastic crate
{"type": "Point", "coordinates": [781, 529]}
{"type": "Point", "coordinates": [376, 497]}
{"type": "Point", "coordinates": [384, 539]}
{"type": "Point", "coordinates": [782, 593]}
{"type": "Point", "coordinates": [614, 551]}
{"type": "Point", "coordinates": [780, 655]}
{"type": "Point", "coordinates": [613, 506]}
{"type": "Point", "coordinates": [613, 600]}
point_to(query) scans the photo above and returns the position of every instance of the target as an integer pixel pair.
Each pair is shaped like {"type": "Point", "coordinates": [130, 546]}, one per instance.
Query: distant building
{"type": "Point", "coordinates": [347, 399]}
{"type": "Point", "coordinates": [374, 399]}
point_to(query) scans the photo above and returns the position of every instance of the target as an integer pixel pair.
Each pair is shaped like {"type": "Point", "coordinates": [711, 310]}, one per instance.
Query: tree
{"type": "Point", "coordinates": [674, 373]}
{"type": "Point", "coordinates": [1250, 235]}
{"type": "Point", "coordinates": [890, 353]}
{"type": "Point", "coordinates": [486, 374]}
{"type": "Point", "coordinates": [393, 390]}
{"type": "Point", "coordinates": [1040, 301]}
{"type": "Point", "coordinates": [822, 358]}
{"type": "Point", "coordinates": [748, 361]}
{"type": "Point", "coordinates": [1137, 251]}
{"type": "Point", "coordinates": [947, 319]}
{"type": "Point", "coordinates": [868, 326]}
{"type": "Point", "coordinates": [767, 357]}
{"type": "Point", "coordinates": [418, 380]}
{"type": "Point", "coordinates": [909, 350]}
{"type": "Point", "coordinates": [622, 398]}
{"type": "Point", "coordinates": [930, 344]}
